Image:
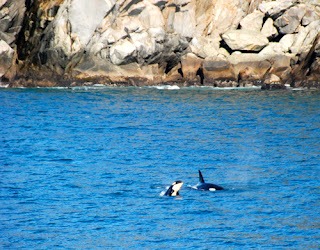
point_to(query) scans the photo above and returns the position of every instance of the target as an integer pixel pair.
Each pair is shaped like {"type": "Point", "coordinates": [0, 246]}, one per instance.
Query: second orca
{"type": "Point", "coordinates": [206, 186]}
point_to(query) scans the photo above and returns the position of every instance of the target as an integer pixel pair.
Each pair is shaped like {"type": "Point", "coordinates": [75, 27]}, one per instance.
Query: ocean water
{"type": "Point", "coordinates": [85, 167]}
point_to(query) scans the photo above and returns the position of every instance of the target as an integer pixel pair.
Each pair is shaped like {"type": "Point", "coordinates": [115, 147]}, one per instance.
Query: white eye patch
{"type": "Point", "coordinates": [176, 188]}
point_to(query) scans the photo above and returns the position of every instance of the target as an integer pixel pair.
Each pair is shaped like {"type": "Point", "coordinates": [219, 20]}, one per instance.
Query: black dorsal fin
{"type": "Point", "coordinates": [201, 180]}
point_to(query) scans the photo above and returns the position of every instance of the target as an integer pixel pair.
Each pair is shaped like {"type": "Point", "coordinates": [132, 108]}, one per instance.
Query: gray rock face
{"type": "Point", "coordinates": [274, 8]}
{"type": "Point", "coordinates": [79, 18]}
{"type": "Point", "coordinates": [76, 22]}
{"type": "Point", "coordinates": [11, 18]}
{"type": "Point", "coordinates": [122, 51]}
{"type": "Point", "coordinates": [289, 22]}
{"type": "Point", "coordinates": [310, 16]}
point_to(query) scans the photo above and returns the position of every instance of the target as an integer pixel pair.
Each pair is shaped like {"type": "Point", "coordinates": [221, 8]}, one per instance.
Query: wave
{"type": "Point", "coordinates": [157, 87]}
{"type": "Point", "coordinates": [169, 87]}
{"type": "Point", "coordinates": [175, 87]}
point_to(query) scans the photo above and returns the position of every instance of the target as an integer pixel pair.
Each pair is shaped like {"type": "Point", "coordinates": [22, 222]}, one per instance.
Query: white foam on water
{"type": "Point", "coordinates": [298, 89]}
{"type": "Point", "coordinates": [162, 193]}
{"type": "Point", "coordinates": [192, 187]}
{"type": "Point", "coordinates": [174, 87]}
{"type": "Point", "coordinates": [232, 88]}
{"type": "Point", "coordinates": [99, 85]}
{"type": "Point", "coordinates": [169, 87]}
{"type": "Point", "coordinates": [52, 87]}
{"type": "Point", "coordinates": [5, 86]}
{"type": "Point", "coordinates": [161, 87]}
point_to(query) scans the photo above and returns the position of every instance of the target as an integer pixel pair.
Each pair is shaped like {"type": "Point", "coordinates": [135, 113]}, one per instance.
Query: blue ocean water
{"type": "Point", "coordinates": [84, 168]}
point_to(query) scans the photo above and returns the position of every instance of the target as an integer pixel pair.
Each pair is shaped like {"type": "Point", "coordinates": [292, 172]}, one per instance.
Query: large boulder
{"type": "Point", "coordinates": [253, 21]}
{"type": "Point", "coordinates": [310, 16]}
{"type": "Point", "coordinates": [281, 66]}
{"type": "Point", "coordinates": [275, 8]}
{"type": "Point", "coordinates": [216, 68]}
{"type": "Point", "coordinates": [104, 71]}
{"type": "Point", "coordinates": [122, 52]}
{"type": "Point", "coordinates": [289, 22]}
{"type": "Point", "coordinates": [144, 44]}
{"type": "Point", "coordinates": [273, 49]}
{"type": "Point", "coordinates": [245, 40]}
{"type": "Point", "coordinates": [150, 16]}
{"type": "Point", "coordinates": [268, 29]}
{"type": "Point", "coordinates": [248, 66]}
{"type": "Point", "coordinates": [305, 38]}
{"type": "Point", "coordinates": [287, 41]}
{"type": "Point", "coordinates": [205, 47]}
{"type": "Point", "coordinates": [272, 79]}
{"type": "Point", "coordinates": [190, 65]}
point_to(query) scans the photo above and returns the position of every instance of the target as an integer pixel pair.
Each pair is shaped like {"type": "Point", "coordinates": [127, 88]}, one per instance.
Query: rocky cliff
{"type": "Point", "coordinates": [148, 42]}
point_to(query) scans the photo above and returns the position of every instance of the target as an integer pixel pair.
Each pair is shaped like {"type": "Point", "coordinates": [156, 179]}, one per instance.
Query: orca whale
{"type": "Point", "coordinates": [173, 190]}
{"type": "Point", "coordinates": [206, 186]}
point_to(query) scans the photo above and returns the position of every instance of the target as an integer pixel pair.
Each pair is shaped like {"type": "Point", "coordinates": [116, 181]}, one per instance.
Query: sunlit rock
{"type": "Point", "coordinates": [245, 40]}
{"type": "Point", "coordinates": [268, 29]}
{"type": "Point", "coordinates": [253, 21]}
{"type": "Point", "coordinates": [287, 41]}
{"type": "Point", "coordinates": [304, 39]}
{"type": "Point", "coordinates": [204, 47]}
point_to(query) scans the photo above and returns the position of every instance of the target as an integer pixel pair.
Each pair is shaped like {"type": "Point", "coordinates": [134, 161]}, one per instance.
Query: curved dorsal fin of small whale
{"type": "Point", "coordinates": [202, 185]}
{"type": "Point", "coordinates": [173, 190]}
{"type": "Point", "coordinates": [201, 180]}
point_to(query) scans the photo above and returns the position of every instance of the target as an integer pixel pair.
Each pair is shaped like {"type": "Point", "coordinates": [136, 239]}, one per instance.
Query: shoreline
{"type": "Point", "coordinates": [186, 43]}
{"type": "Point", "coordinates": [222, 84]}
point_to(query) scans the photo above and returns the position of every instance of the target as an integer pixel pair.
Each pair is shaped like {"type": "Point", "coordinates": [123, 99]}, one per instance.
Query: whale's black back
{"type": "Point", "coordinates": [206, 186]}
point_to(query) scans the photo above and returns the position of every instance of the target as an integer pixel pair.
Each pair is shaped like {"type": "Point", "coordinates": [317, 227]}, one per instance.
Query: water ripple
{"type": "Point", "coordinates": [85, 167]}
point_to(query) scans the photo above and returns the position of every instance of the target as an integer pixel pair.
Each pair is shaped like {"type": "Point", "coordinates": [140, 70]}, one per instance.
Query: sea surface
{"type": "Point", "coordinates": [84, 168]}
